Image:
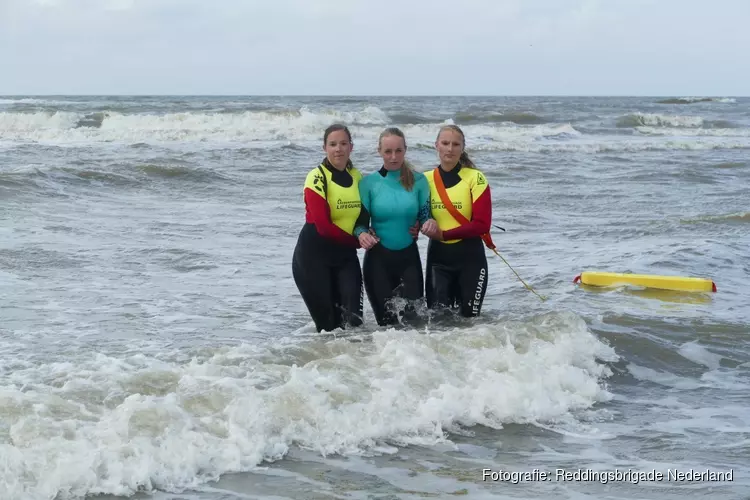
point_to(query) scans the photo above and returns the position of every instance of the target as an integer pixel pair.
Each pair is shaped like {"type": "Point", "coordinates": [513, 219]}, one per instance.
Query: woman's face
{"type": "Point", "coordinates": [392, 149]}
{"type": "Point", "coordinates": [449, 146]}
{"type": "Point", "coordinates": [338, 148]}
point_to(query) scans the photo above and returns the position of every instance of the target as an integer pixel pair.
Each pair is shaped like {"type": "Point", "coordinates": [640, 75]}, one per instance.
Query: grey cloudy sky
{"type": "Point", "coordinates": [375, 47]}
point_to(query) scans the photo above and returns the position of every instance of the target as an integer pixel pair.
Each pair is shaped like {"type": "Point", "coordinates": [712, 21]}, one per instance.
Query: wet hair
{"type": "Point", "coordinates": [335, 128]}
{"type": "Point", "coordinates": [407, 171]}
{"type": "Point", "coordinates": [464, 159]}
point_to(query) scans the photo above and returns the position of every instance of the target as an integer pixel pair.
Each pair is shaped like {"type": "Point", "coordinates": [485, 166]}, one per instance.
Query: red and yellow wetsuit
{"type": "Point", "coordinates": [456, 273]}
{"type": "Point", "coordinates": [325, 264]}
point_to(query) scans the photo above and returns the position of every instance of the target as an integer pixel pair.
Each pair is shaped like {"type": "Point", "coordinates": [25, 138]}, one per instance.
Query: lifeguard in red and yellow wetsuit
{"type": "Point", "coordinates": [456, 274]}
{"type": "Point", "coordinates": [325, 264]}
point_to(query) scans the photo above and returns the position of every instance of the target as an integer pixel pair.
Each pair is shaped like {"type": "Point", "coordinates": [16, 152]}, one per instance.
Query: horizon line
{"type": "Point", "coordinates": [366, 95]}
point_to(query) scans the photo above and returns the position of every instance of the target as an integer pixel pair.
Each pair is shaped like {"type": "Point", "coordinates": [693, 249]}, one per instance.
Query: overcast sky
{"type": "Point", "coordinates": [376, 47]}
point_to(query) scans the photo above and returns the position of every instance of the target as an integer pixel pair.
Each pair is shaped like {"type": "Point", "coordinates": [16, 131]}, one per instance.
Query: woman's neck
{"type": "Point", "coordinates": [340, 168]}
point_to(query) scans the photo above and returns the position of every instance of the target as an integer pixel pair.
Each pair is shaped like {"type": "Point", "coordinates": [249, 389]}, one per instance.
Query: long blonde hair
{"type": "Point", "coordinates": [407, 171]}
{"type": "Point", "coordinates": [464, 159]}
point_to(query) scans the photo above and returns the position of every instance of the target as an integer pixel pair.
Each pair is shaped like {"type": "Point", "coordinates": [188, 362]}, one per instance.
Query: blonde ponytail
{"type": "Point", "coordinates": [407, 176]}
{"type": "Point", "coordinates": [465, 161]}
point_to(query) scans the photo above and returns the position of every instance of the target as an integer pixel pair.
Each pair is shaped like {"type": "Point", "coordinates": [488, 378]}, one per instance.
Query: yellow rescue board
{"type": "Point", "coordinates": [680, 283]}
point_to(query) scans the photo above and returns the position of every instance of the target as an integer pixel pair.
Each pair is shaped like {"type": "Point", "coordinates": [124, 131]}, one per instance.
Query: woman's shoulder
{"type": "Point", "coordinates": [368, 178]}
{"type": "Point", "coordinates": [315, 179]}
{"type": "Point", "coordinates": [356, 173]}
{"type": "Point", "coordinates": [424, 179]}
{"type": "Point", "coordinates": [473, 169]}
{"type": "Point", "coordinates": [473, 174]}
{"type": "Point", "coordinates": [426, 174]}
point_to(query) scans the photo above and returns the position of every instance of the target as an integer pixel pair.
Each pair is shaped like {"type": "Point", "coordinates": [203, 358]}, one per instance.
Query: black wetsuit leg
{"type": "Point", "coordinates": [412, 278]}
{"type": "Point", "coordinates": [412, 282]}
{"type": "Point", "coordinates": [456, 276]}
{"type": "Point", "coordinates": [347, 281]}
{"type": "Point", "coordinates": [389, 274]}
{"type": "Point", "coordinates": [315, 285]}
{"type": "Point", "coordinates": [329, 280]}
{"type": "Point", "coordinates": [378, 284]}
{"type": "Point", "coordinates": [440, 289]}
{"type": "Point", "coordinates": [472, 283]}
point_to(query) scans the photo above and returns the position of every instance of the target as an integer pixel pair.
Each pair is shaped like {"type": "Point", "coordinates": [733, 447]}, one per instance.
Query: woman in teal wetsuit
{"type": "Point", "coordinates": [394, 199]}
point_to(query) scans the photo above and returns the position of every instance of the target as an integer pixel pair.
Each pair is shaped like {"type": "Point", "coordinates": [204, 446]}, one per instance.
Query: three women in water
{"type": "Point", "coordinates": [381, 214]}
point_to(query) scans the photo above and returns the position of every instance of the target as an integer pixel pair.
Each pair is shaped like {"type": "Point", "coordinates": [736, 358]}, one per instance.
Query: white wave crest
{"type": "Point", "coordinates": [106, 425]}
{"type": "Point", "coordinates": [68, 127]}
{"type": "Point", "coordinates": [588, 145]}
{"type": "Point", "coordinates": [695, 132]}
{"type": "Point", "coordinates": [303, 127]}
{"type": "Point", "coordinates": [658, 120]}
{"type": "Point", "coordinates": [27, 100]}
{"type": "Point", "coordinates": [706, 99]}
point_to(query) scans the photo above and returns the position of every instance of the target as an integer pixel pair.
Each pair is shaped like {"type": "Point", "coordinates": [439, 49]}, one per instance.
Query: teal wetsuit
{"type": "Point", "coordinates": [392, 267]}
{"type": "Point", "coordinates": [393, 209]}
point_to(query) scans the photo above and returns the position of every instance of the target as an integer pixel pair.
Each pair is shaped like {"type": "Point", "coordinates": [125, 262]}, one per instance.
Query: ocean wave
{"type": "Point", "coordinates": [27, 100]}
{"type": "Point", "coordinates": [693, 132]}
{"type": "Point", "coordinates": [735, 218]}
{"type": "Point", "coordinates": [656, 120]}
{"type": "Point", "coordinates": [302, 129]}
{"type": "Point", "coordinates": [612, 145]}
{"type": "Point", "coordinates": [520, 118]}
{"type": "Point", "coordinates": [693, 100]}
{"type": "Point", "coordinates": [113, 174]}
{"type": "Point", "coordinates": [731, 164]}
{"type": "Point", "coordinates": [99, 424]}
{"type": "Point", "coordinates": [71, 127]}
{"type": "Point", "coordinates": [304, 125]}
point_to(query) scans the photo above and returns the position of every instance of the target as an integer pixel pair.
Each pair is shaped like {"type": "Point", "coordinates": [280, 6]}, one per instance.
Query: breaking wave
{"type": "Point", "coordinates": [114, 424]}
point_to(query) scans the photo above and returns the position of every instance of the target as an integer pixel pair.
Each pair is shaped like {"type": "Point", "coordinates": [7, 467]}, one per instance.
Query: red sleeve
{"type": "Point", "coordinates": [319, 213]}
{"type": "Point", "coordinates": [481, 216]}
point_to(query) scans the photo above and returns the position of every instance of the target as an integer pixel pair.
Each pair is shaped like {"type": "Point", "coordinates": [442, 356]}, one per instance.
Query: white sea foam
{"type": "Point", "coordinates": [304, 125]}
{"type": "Point", "coordinates": [694, 132]}
{"type": "Point", "coordinates": [658, 120]}
{"type": "Point", "coordinates": [103, 424]}
{"type": "Point", "coordinates": [268, 130]}
{"type": "Point", "coordinates": [688, 100]}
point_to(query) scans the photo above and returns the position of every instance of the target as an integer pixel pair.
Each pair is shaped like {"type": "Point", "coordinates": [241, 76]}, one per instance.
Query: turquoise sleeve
{"type": "Point", "coordinates": [423, 198]}
{"type": "Point", "coordinates": [363, 221]}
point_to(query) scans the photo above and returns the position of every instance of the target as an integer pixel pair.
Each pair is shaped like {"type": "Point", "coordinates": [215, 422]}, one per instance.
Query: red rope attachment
{"type": "Point", "coordinates": [713, 286]}
{"type": "Point", "coordinates": [577, 279]}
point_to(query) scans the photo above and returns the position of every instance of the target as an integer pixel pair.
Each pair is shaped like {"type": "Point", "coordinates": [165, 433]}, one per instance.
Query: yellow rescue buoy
{"type": "Point", "coordinates": [680, 283]}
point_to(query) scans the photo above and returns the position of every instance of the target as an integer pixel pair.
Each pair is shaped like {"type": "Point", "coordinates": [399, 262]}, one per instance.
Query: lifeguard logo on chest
{"type": "Point", "coordinates": [347, 204]}
{"type": "Point", "coordinates": [437, 205]}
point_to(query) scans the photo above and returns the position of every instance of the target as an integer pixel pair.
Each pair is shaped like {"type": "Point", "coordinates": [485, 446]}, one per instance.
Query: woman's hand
{"type": "Point", "coordinates": [431, 230]}
{"type": "Point", "coordinates": [414, 230]}
{"type": "Point", "coordinates": [368, 240]}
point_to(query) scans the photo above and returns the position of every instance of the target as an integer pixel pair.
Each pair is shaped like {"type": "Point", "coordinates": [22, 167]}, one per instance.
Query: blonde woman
{"type": "Point", "coordinates": [394, 200]}
{"type": "Point", "coordinates": [462, 210]}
